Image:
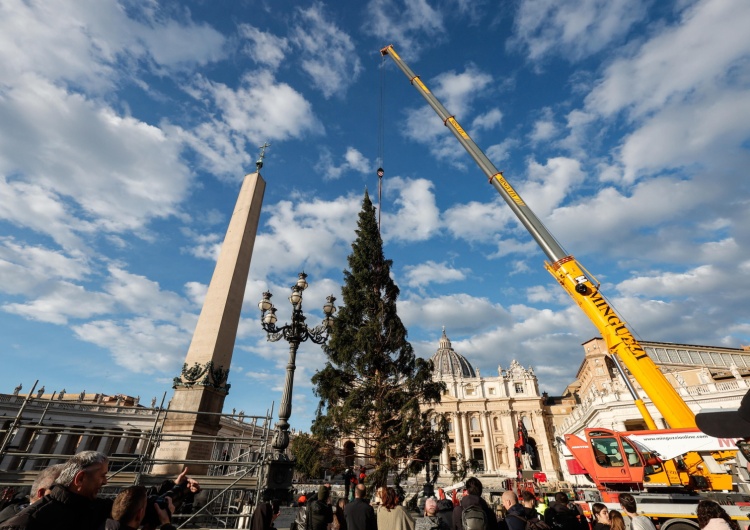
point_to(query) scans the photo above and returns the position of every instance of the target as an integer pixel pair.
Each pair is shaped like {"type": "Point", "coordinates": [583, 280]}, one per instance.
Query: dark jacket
{"type": "Point", "coordinates": [12, 509]}
{"type": "Point", "coordinates": [262, 517]}
{"type": "Point", "coordinates": [474, 500]}
{"type": "Point", "coordinates": [445, 512]}
{"type": "Point", "coordinates": [512, 521]}
{"type": "Point", "coordinates": [562, 517]}
{"type": "Point", "coordinates": [360, 516]}
{"type": "Point", "coordinates": [319, 515]}
{"type": "Point", "coordinates": [61, 510]}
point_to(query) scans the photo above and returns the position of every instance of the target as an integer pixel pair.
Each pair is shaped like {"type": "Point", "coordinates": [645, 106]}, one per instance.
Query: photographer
{"type": "Point", "coordinates": [130, 507]}
{"type": "Point", "coordinates": [182, 491]}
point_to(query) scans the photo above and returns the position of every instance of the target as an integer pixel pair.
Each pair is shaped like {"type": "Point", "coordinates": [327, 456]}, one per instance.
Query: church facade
{"type": "Point", "coordinates": [486, 413]}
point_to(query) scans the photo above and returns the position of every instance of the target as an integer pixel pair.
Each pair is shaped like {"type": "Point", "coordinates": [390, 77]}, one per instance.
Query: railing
{"type": "Point", "coordinates": [593, 402]}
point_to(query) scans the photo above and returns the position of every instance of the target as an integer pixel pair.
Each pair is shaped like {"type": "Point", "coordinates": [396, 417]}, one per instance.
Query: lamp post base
{"type": "Point", "coordinates": [278, 483]}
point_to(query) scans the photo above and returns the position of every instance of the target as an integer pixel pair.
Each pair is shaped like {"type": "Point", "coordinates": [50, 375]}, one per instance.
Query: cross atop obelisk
{"type": "Point", "coordinates": [202, 385]}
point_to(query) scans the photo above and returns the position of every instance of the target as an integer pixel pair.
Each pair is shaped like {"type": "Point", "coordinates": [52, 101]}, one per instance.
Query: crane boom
{"type": "Point", "coordinates": [571, 276]}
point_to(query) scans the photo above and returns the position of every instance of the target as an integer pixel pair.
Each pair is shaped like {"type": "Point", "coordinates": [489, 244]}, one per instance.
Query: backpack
{"type": "Point", "coordinates": [532, 524]}
{"type": "Point", "coordinates": [473, 518]}
{"type": "Point", "coordinates": [566, 520]}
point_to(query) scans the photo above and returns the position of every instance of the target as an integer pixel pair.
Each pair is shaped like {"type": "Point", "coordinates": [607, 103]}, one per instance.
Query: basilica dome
{"type": "Point", "coordinates": [448, 363]}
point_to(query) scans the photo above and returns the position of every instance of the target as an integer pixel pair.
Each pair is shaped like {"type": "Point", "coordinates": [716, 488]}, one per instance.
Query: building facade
{"type": "Point", "coordinates": [484, 414]}
{"type": "Point", "coordinates": [706, 377]}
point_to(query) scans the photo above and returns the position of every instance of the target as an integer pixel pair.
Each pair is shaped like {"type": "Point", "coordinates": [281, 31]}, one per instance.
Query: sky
{"type": "Point", "coordinates": [126, 128]}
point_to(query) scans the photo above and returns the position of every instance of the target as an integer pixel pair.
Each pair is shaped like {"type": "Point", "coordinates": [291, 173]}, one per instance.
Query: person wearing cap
{"type": "Point", "coordinates": [319, 512]}
{"type": "Point", "coordinates": [300, 518]}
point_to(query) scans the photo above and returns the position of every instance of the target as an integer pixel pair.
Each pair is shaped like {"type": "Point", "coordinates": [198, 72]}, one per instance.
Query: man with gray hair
{"type": "Point", "coordinates": [41, 487]}
{"type": "Point", "coordinates": [71, 504]}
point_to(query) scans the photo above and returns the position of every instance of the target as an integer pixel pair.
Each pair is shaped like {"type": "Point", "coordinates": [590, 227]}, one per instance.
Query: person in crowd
{"type": "Point", "coordinates": [541, 505]}
{"type": "Point", "coordinates": [300, 518]}
{"type": "Point", "coordinates": [637, 522]}
{"type": "Point", "coordinates": [72, 503]}
{"type": "Point", "coordinates": [42, 486]}
{"type": "Point", "coordinates": [319, 512]}
{"type": "Point", "coordinates": [473, 497]}
{"type": "Point", "coordinates": [616, 520]}
{"type": "Point", "coordinates": [129, 510]}
{"type": "Point", "coordinates": [358, 513]}
{"type": "Point", "coordinates": [599, 516]}
{"type": "Point", "coordinates": [391, 515]}
{"type": "Point", "coordinates": [265, 514]}
{"type": "Point", "coordinates": [445, 511]}
{"type": "Point", "coordinates": [431, 521]}
{"type": "Point", "coordinates": [339, 519]}
{"type": "Point", "coordinates": [515, 513]}
{"type": "Point", "coordinates": [182, 491]}
{"type": "Point", "coordinates": [711, 516]}
{"type": "Point", "coordinates": [564, 514]}
{"type": "Point", "coordinates": [530, 503]}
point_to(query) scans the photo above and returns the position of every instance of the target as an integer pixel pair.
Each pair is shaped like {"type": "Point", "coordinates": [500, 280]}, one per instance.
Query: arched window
{"type": "Point", "coordinates": [496, 423]}
{"type": "Point", "coordinates": [474, 423]}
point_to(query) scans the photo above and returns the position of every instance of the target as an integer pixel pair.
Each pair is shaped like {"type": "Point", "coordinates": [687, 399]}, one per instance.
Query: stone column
{"type": "Point", "coordinates": [467, 435]}
{"type": "Point", "coordinates": [458, 433]}
{"type": "Point", "coordinates": [509, 434]}
{"type": "Point", "coordinates": [445, 462]}
{"type": "Point", "coordinates": [489, 457]}
{"type": "Point", "coordinates": [202, 386]}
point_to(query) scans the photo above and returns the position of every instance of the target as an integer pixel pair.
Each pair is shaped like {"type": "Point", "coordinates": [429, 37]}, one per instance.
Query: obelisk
{"type": "Point", "coordinates": [202, 385]}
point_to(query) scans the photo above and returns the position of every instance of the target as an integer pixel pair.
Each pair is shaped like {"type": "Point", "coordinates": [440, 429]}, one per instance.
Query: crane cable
{"type": "Point", "coordinates": [381, 138]}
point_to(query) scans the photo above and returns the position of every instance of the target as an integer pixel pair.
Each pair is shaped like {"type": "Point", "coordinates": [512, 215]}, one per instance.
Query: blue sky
{"type": "Point", "coordinates": [127, 127]}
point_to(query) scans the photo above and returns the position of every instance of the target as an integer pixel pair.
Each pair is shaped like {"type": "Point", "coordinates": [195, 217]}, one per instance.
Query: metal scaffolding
{"type": "Point", "coordinates": [37, 432]}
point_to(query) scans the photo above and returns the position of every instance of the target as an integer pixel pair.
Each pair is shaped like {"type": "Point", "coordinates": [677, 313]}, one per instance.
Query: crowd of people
{"type": "Point", "coordinates": [472, 512]}
{"type": "Point", "coordinates": [66, 497]}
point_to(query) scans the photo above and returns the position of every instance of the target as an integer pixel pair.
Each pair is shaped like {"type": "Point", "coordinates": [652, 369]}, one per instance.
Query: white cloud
{"type": "Point", "coordinates": [260, 109]}
{"type": "Point", "coordinates": [488, 120]}
{"type": "Point", "coordinates": [62, 301]}
{"type": "Point", "coordinates": [328, 54]}
{"type": "Point", "coordinates": [549, 185]}
{"type": "Point", "coordinates": [139, 344]}
{"type": "Point", "coordinates": [431, 272]}
{"type": "Point", "coordinates": [265, 48]}
{"type": "Point", "coordinates": [460, 313]}
{"type": "Point", "coordinates": [81, 42]}
{"type": "Point", "coordinates": [405, 23]}
{"type": "Point", "coordinates": [417, 217]}
{"type": "Point", "coordinates": [697, 132]}
{"type": "Point", "coordinates": [478, 221]}
{"type": "Point", "coordinates": [573, 29]}
{"type": "Point", "coordinates": [544, 128]}
{"type": "Point", "coordinates": [678, 61]}
{"type": "Point", "coordinates": [457, 92]}
{"type": "Point", "coordinates": [315, 234]}
{"type": "Point", "coordinates": [119, 171]}
{"type": "Point", "coordinates": [353, 161]}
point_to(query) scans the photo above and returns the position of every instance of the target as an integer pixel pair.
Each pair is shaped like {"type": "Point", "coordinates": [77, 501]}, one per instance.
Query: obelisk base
{"type": "Point", "coordinates": [188, 437]}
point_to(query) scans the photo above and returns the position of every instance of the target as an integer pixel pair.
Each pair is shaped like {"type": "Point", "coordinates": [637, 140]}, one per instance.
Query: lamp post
{"type": "Point", "coordinates": [294, 333]}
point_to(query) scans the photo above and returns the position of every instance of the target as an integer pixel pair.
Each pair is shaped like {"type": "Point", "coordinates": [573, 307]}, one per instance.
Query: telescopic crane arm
{"type": "Point", "coordinates": [572, 276]}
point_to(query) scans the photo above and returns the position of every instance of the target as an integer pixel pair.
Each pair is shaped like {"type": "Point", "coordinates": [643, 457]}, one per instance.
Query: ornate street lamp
{"type": "Point", "coordinates": [294, 333]}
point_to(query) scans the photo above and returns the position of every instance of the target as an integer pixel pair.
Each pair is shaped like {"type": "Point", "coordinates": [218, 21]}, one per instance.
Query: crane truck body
{"type": "Point", "coordinates": [685, 476]}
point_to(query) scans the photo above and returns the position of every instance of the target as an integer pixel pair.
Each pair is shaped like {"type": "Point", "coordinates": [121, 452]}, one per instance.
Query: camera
{"type": "Point", "coordinates": [151, 517]}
